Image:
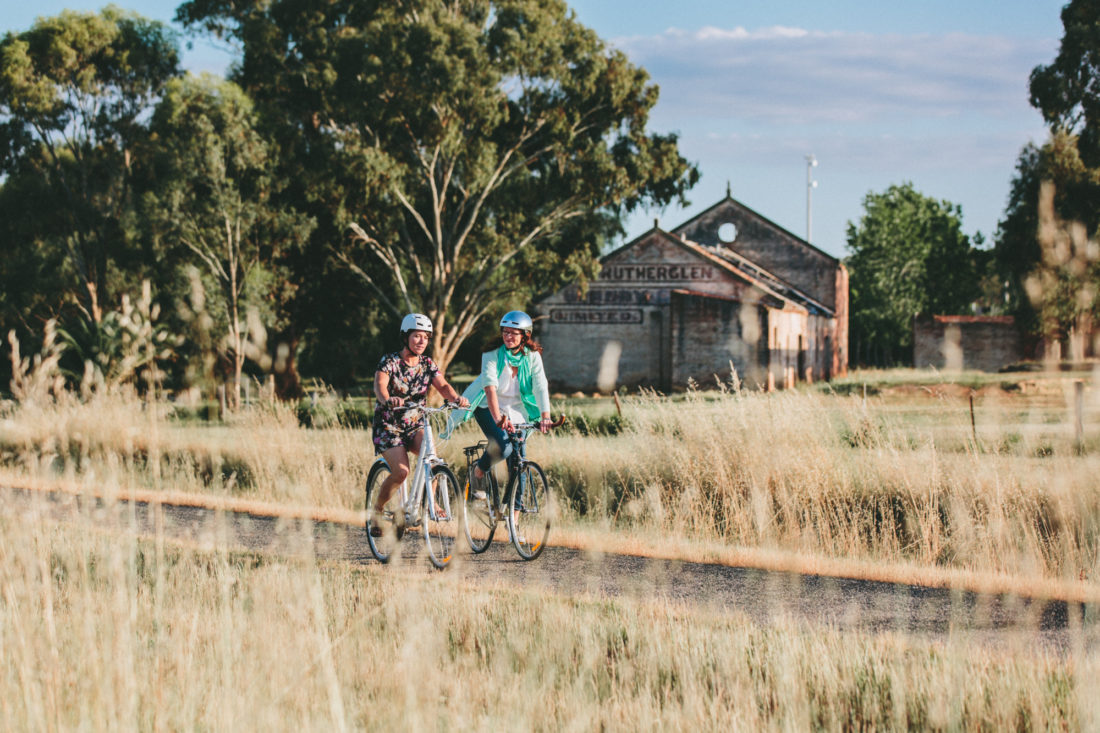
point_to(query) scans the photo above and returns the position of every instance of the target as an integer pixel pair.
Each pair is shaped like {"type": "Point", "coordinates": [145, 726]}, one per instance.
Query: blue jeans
{"type": "Point", "coordinates": [499, 448]}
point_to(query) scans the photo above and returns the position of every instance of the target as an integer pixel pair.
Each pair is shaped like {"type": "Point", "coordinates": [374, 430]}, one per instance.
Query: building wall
{"type": "Point", "coordinates": [662, 312]}
{"type": "Point", "coordinates": [621, 320]}
{"type": "Point", "coordinates": [708, 335]}
{"type": "Point", "coordinates": [838, 346]}
{"type": "Point", "coordinates": [986, 343]}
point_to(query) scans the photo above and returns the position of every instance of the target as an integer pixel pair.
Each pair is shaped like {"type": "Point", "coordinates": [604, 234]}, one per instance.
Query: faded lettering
{"type": "Point", "coordinates": [593, 315]}
{"type": "Point", "coordinates": [616, 296]}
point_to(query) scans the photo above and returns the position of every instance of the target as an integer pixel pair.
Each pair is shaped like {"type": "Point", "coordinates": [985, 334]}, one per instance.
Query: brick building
{"type": "Point", "coordinates": [986, 343]}
{"type": "Point", "coordinates": [726, 287]}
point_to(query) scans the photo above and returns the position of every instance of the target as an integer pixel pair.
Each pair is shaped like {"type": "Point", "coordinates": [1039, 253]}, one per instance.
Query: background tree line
{"type": "Point", "coordinates": [908, 254]}
{"type": "Point", "coordinates": [362, 160]}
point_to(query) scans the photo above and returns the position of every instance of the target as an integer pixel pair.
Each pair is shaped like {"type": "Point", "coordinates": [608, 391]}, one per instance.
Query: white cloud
{"type": "Point", "coordinates": [792, 76]}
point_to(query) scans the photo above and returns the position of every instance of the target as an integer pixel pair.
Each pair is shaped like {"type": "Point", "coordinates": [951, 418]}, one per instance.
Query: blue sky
{"type": "Point", "coordinates": [929, 91]}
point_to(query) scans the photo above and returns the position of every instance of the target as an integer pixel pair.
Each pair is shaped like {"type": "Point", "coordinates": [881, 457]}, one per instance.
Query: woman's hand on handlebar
{"type": "Point", "coordinates": [505, 424]}
{"type": "Point", "coordinates": [545, 424]}
{"type": "Point", "coordinates": [395, 402]}
{"type": "Point", "coordinates": [461, 401]}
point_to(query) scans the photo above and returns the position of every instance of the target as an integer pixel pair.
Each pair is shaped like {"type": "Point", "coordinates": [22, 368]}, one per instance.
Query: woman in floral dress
{"type": "Point", "coordinates": [403, 379]}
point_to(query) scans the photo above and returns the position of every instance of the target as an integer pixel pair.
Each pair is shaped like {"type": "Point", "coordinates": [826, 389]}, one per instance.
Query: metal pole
{"type": "Point", "coordinates": [1079, 414]}
{"type": "Point", "coordinates": [811, 184]}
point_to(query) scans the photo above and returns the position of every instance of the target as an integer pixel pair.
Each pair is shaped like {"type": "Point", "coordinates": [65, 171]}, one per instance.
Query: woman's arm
{"type": "Point", "coordinates": [449, 393]}
{"type": "Point", "coordinates": [541, 389]}
{"type": "Point", "coordinates": [382, 390]}
{"type": "Point", "coordinates": [539, 384]}
{"type": "Point", "coordinates": [490, 376]}
{"type": "Point", "coordinates": [494, 409]}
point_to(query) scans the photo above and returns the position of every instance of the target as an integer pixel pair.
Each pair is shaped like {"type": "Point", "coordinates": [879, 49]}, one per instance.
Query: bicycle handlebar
{"type": "Point", "coordinates": [430, 410]}
{"type": "Point", "coordinates": [538, 425]}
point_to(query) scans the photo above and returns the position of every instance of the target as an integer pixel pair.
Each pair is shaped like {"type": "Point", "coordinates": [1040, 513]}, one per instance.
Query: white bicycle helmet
{"type": "Point", "coordinates": [518, 320]}
{"type": "Point", "coordinates": [416, 322]}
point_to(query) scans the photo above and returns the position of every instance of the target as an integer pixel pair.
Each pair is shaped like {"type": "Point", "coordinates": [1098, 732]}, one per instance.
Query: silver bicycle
{"type": "Point", "coordinates": [431, 501]}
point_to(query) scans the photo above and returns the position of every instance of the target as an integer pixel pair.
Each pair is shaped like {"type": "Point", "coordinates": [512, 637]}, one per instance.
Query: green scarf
{"type": "Point", "coordinates": [523, 374]}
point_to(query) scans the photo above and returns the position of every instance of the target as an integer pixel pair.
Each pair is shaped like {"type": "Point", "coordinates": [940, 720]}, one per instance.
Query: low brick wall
{"type": "Point", "coordinates": [985, 343]}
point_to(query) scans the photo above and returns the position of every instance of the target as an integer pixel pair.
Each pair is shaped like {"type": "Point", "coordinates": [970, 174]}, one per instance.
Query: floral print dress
{"type": "Point", "coordinates": [397, 427]}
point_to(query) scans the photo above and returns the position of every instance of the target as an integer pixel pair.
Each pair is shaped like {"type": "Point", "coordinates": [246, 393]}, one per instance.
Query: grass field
{"type": "Point", "coordinates": [101, 630]}
{"type": "Point", "coordinates": [109, 631]}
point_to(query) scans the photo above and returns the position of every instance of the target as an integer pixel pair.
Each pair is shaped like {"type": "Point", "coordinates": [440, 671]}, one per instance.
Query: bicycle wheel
{"type": "Point", "coordinates": [441, 523]}
{"type": "Point", "coordinates": [531, 510]}
{"type": "Point", "coordinates": [390, 524]}
{"type": "Point", "coordinates": [478, 521]}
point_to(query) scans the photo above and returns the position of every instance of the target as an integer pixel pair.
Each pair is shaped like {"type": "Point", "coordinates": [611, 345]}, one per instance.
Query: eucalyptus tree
{"type": "Point", "coordinates": [476, 151]}
{"type": "Point", "coordinates": [1067, 91]}
{"type": "Point", "coordinates": [212, 199]}
{"type": "Point", "coordinates": [1045, 247]}
{"type": "Point", "coordinates": [75, 93]}
{"type": "Point", "coordinates": [1047, 243]}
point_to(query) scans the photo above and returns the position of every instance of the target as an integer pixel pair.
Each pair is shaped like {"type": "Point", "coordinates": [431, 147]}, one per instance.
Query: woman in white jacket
{"type": "Point", "coordinates": [511, 388]}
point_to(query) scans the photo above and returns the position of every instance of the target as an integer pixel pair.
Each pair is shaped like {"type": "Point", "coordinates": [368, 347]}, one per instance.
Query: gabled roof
{"type": "Point", "coordinates": [728, 200]}
{"type": "Point", "coordinates": [777, 283]}
{"type": "Point", "coordinates": [730, 262]}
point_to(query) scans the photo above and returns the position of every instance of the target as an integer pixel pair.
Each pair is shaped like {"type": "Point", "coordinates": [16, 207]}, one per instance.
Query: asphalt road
{"type": "Point", "coordinates": [840, 603]}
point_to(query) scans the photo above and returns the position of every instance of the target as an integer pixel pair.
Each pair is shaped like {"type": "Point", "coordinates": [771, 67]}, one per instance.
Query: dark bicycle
{"type": "Point", "coordinates": [527, 505]}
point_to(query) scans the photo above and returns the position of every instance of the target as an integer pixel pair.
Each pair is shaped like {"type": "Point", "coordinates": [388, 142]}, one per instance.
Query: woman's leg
{"type": "Point", "coordinates": [499, 447]}
{"type": "Point", "coordinates": [520, 487]}
{"type": "Point", "coordinates": [397, 459]}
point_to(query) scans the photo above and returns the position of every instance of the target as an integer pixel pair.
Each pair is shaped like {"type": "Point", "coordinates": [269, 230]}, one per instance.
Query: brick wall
{"type": "Point", "coordinates": [663, 311]}
{"type": "Point", "coordinates": [985, 343]}
{"type": "Point", "coordinates": [710, 334]}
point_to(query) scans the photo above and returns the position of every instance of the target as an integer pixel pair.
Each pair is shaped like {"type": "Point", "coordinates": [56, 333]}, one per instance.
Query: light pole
{"type": "Point", "coordinates": [811, 184]}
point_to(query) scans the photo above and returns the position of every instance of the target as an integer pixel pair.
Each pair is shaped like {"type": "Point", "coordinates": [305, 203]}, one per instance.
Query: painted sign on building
{"type": "Point", "coordinates": [646, 272]}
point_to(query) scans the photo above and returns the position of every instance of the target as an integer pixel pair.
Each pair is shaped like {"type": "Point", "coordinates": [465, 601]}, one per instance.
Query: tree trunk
{"type": "Point", "coordinates": [288, 383]}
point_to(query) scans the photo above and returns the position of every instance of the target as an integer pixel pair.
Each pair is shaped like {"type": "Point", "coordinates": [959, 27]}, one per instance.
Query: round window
{"type": "Point", "coordinates": [727, 232]}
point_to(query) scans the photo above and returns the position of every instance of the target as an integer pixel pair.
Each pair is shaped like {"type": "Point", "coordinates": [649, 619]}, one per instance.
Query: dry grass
{"type": "Point", "coordinates": [897, 486]}
{"type": "Point", "coordinates": [108, 631]}
{"type": "Point", "coordinates": [832, 477]}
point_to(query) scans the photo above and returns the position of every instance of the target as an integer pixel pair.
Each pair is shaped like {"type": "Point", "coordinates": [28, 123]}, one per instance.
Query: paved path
{"type": "Point", "coordinates": [856, 605]}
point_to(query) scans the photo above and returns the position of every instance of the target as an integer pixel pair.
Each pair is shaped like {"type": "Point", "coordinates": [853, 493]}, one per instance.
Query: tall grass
{"type": "Point", "coordinates": [104, 630]}
{"type": "Point", "coordinates": [881, 480]}
{"type": "Point", "coordinates": [840, 477]}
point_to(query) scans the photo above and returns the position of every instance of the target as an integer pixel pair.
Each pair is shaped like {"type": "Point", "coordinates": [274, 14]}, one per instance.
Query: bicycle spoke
{"type": "Point", "coordinates": [528, 518]}
{"type": "Point", "coordinates": [383, 533]}
{"type": "Point", "coordinates": [478, 521]}
{"type": "Point", "coordinates": [438, 516]}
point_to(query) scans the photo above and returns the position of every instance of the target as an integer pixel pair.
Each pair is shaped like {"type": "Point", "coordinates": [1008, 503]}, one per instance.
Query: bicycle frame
{"type": "Point", "coordinates": [425, 460]}
{"type": "Point", "coordinates": [515, 465]}
{"type": "Point", "coordinates": [527, 504]}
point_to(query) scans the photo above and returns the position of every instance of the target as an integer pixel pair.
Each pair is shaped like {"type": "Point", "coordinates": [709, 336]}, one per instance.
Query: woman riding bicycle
{"type": "Point", "coordinates": [511, 389]}
{"type": "Point", "coordinates": [401, 380]}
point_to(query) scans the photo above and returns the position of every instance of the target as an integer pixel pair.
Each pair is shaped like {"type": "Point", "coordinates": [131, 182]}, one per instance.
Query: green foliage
{"type": "Point", "coordinates": [74, 90]}
{"type": "Point", "coordinates": [328, 413]}
{"type": "Point", "coordinates": [583, 424]}
{"type": "Point", "coordinates": [908, 256]}
{"type": "Point", "coordinates": [211, 202]}
{"type": "Point", "coordinates": [1067, 91]}
{"type": "Point", "coordinates": [479, 151]}
{"type": "Point", "coordinates": [1042, 248]}
{"type": "Point", "coordinates": [123, 347]}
